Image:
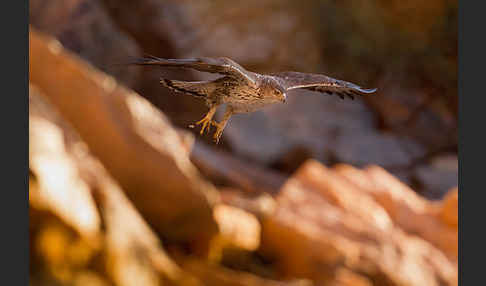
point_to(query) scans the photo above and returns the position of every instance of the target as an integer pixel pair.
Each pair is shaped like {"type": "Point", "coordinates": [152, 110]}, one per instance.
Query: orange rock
{"type": "Point", "coordinates": [449, 208]}
{"type": "Point", "coordinates": [345, 277]}
{"type": "Point", "coordinates": [323, 222]}
{"type": "Point", "coordinates": [412, 213]}
{"type": "Point", "coordinates": [214, 275]}
{"type": "Point", "coordinates": [130, 137]}
{"type": "Point", "coordinates": [238, 227]}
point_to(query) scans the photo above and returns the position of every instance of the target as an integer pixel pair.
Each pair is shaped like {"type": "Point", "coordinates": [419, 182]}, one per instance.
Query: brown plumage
{"type": "Point", "coordinates": [245, 91]}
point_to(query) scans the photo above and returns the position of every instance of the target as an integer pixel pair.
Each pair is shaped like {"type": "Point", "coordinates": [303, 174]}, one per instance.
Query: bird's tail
{"type": "Point", "coordinates": [195, 88]}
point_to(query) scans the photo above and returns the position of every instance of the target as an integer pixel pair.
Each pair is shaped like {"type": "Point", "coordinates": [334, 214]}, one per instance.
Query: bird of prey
{"type": "Point", "coordinates": [244, 91]}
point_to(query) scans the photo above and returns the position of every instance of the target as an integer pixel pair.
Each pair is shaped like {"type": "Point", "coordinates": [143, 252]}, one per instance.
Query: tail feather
{"type": "Point", "coordinates": [198, 88]}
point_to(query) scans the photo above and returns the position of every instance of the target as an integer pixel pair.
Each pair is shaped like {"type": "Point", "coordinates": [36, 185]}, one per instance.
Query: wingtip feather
{"type": "Point", "coordinates": [368, 90]}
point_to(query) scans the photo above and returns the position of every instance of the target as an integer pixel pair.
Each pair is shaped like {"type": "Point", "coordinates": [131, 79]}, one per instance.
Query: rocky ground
{"type": "Point", "coordinates": [319, 191]}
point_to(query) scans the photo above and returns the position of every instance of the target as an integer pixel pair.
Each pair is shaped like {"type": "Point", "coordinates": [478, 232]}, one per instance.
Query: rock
{"type": "Point", "coordinates": [449, 208]}
{"type": "Point", "coordinates": [324, 128]}
{"type": "Point", "coordinates": [68, 182]}
{"type": "Point", "coordinates": [119, 126]}
{"type": "Point", "coordinates": [223, 168]}
{"type": "Point", "coordinates": [323, 222]}
{"type": "Point", "coordinates": [314, 125]}
{"type": "Point", "coordinates": [439, 176]}
{"type": "Point", "coordinates": [216, 275]}
{"type": "Point", "coordinates": [238, 227]}
{"type": "Point", "coordinates": [345, 277]}
{"type": "Point", "coordinates": [57, 172]}
{"type": "Point", "coordinates": [84, 27]}
{"type": "Point", "coordinates": [276, 32]}
{"type": "Point", "coordinates": [369, 147]}
{"type": "Point", "coordinates": [412, 213]}
{"type": "Point", "coordinates": [114, 158]}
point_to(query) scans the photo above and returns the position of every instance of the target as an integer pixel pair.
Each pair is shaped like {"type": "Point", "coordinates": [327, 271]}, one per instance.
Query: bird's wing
{"type": "Point", "coordinates": [320, 83]}
{"type": "Point", "coordinates": [221, 65]}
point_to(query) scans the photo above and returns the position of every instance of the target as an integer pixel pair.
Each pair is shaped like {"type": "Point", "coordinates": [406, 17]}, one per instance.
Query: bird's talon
{"type": "Point", "coordinates": [206, 123]}
{"type": "Point", "coordinates": [201, 121]}
{"type": "Point", "coordinates": [217, 134]}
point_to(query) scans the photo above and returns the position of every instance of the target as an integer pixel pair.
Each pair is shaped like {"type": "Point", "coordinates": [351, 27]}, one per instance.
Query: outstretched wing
{"type": "Point", "coordinates": [320, 83]}
{"type": "Point", "coordinates": [222, 65]}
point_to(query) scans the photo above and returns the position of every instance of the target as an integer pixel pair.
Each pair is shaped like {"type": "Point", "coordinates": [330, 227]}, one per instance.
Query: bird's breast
{"type": "Point", "coordinates": [248, 103]}
{"type": "Point", "coordinates": [244, 98]}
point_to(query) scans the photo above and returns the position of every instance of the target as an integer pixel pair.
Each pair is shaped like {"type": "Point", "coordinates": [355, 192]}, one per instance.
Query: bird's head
{"type": "Point", "coordinates": [275, 91]}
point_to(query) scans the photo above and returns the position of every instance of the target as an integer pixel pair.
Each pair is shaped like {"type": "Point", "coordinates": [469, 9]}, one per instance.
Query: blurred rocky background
{"type": "Point", "coordinates": [120, 190]}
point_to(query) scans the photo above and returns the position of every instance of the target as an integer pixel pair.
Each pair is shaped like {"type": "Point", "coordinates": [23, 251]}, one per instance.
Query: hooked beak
{"type": "Point", "coordinates": [284, 98]}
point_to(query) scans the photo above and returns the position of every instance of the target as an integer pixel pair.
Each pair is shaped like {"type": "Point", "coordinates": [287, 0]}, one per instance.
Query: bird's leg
{"type": "Point", "coordinates": [221, 125]}
{"type": "Point", "coordinates": [206, 121]}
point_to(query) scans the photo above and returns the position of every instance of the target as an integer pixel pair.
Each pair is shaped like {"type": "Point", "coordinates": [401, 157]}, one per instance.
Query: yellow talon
{"type": "Point", "coordinates": [221, 125]}
{"type": "Point", "coordinates": [218, 133]}
{"type": "Point", "coordinates": [206, 123]}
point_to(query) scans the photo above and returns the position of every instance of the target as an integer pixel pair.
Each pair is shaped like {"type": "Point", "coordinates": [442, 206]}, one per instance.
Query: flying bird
{"type": "Point", "coordinates": [244, 91]}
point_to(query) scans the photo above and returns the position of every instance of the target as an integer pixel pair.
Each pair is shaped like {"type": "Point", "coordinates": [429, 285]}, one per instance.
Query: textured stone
{"type": "Point", "coordinates": [84, 27]}
{"type": "Point", "coordinates": [119, 126]}
{"type": "Point", "coordinates": [323, 221]}
{"type": "Point", "coordinates": [438, 176]}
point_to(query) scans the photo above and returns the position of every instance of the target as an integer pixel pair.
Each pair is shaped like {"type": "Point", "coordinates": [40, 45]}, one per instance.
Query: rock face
{"type": "Point", "coordinates": [439, 175]}
{"type": "Point", "coordinates": [325, 223]}
{"type": "Point", "coordinates": [391, 129]}
{"type": "Point", "coordinates": [117, 196]}
{"type": "Point", "coordinates": [317, 191]}
{"type": "Point", "coordinates": [84, 27]}
{"type": "Point", "coordinates": [146, 137]}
